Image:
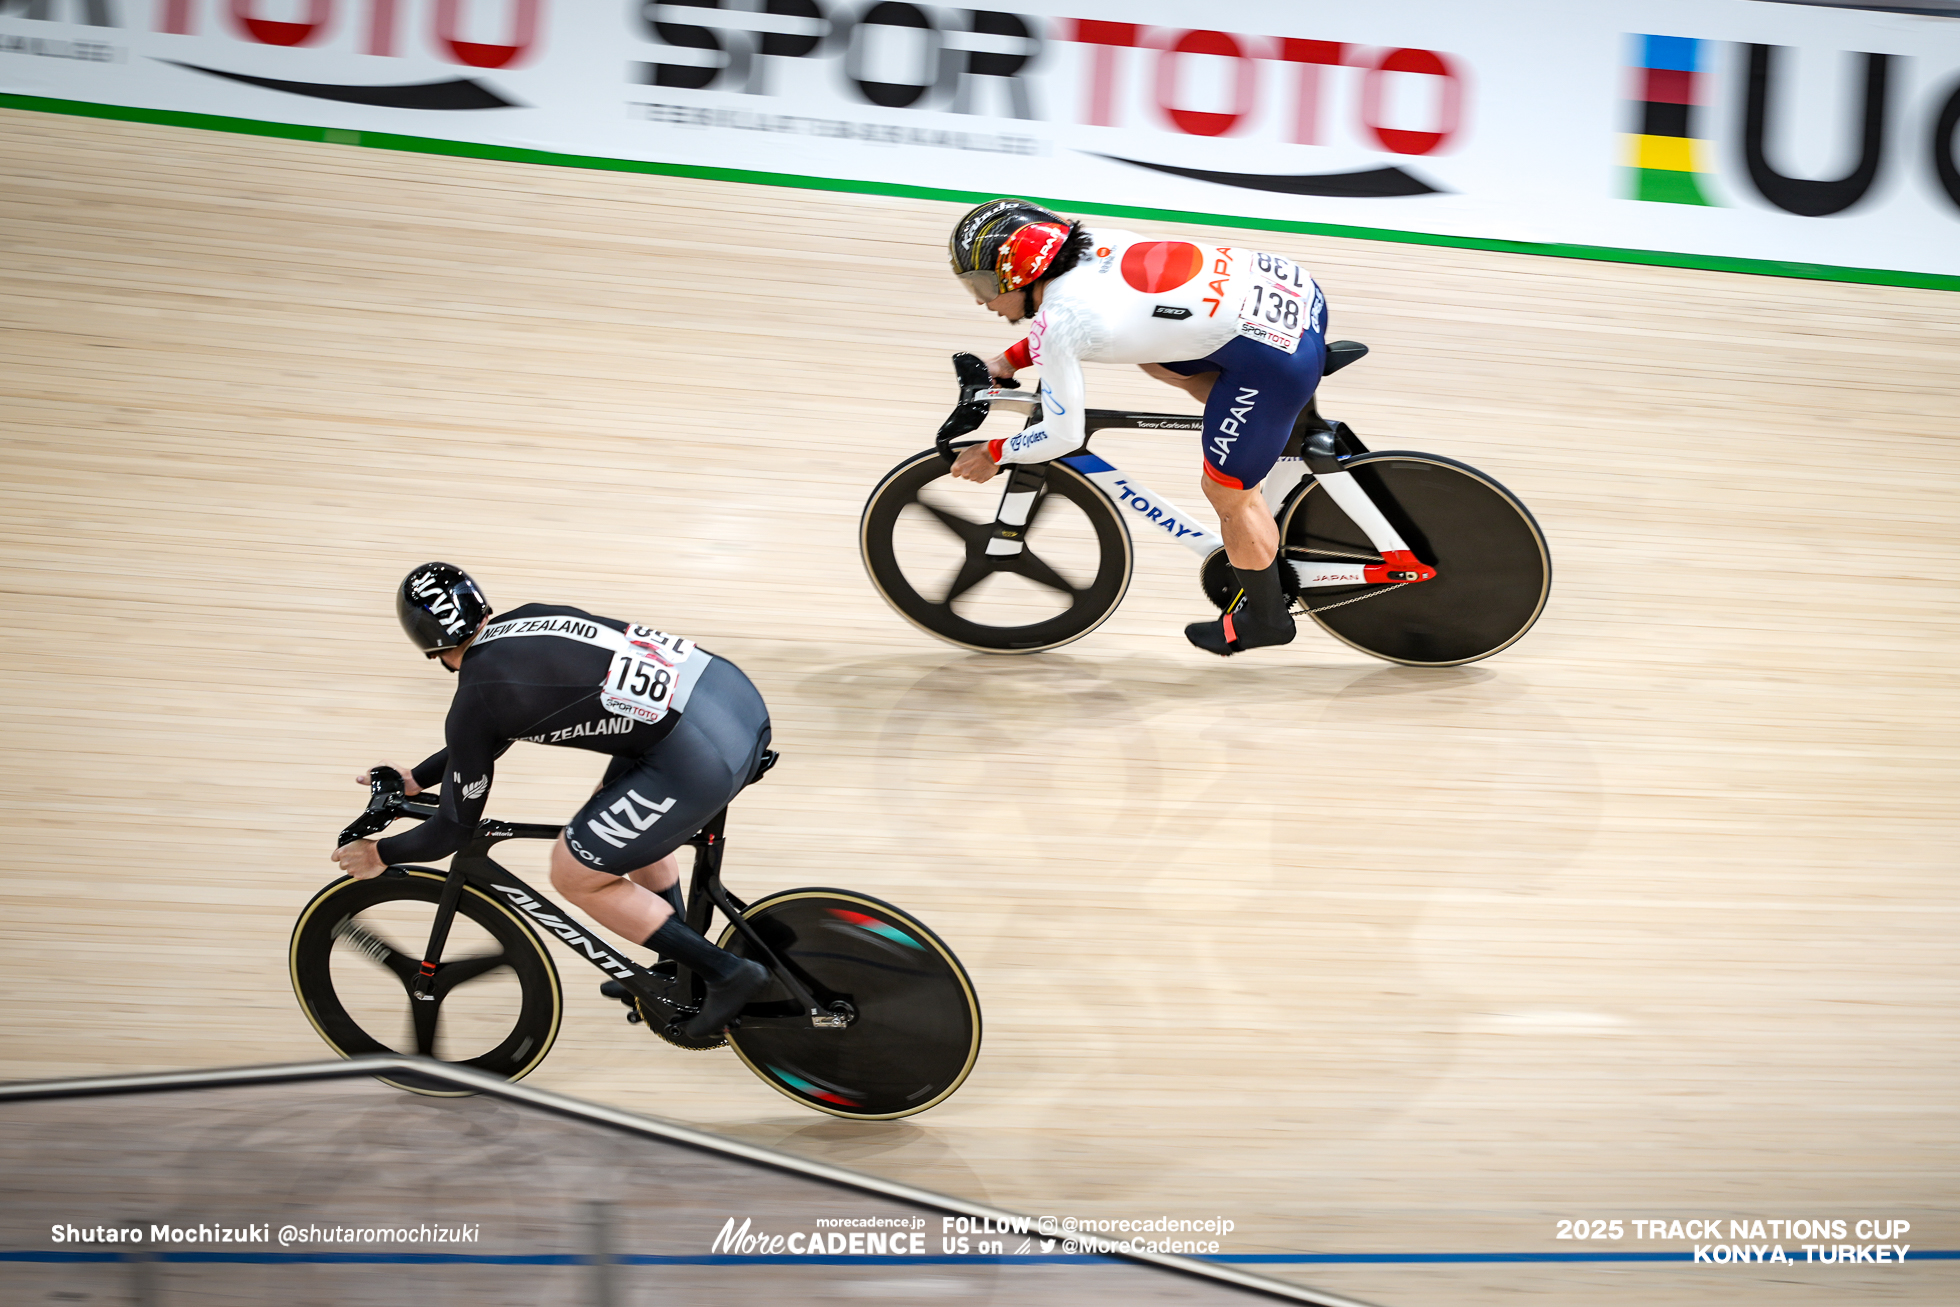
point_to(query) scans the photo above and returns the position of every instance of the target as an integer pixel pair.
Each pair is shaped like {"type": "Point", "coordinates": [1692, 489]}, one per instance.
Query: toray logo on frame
{"type": "Point", "coordinates": [1695, 106]}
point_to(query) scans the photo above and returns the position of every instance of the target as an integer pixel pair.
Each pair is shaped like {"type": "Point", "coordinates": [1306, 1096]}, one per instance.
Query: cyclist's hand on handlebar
{"type": "Point", "coordinates": [361, 859]}
{"type": "Point", "coordinates": [975, 464]}
{"type": "Point", "coordinates": [409, 788]}
{"type": "Point", "coordinates": [1000, 369]}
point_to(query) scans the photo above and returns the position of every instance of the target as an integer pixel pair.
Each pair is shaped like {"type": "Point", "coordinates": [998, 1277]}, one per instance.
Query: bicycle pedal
{"type": "Point", "coordinates": [633, 1018]}
{"type": "Point", "coordinates": [613, 989]}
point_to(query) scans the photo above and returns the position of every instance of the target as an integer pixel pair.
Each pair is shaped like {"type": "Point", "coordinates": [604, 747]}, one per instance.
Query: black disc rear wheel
{"type": "Point", "coordinates": [495, 1004]}
{"type": "Point", "coordinates": [915, 1022]}
{"type": "Point", "coordinates": [924, 538]}
{"type": "Point", "coordinates": [1493, 571]}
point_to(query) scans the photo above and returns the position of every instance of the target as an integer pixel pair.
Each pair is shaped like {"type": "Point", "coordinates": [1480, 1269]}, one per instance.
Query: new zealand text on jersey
{"type": "Point", "coordinates": [611, 726]}
{"type": "Point", "coordinates": [571, 626]}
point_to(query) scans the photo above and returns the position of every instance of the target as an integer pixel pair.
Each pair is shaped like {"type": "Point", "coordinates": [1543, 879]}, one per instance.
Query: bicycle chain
{"type": "Point", "coordinates": [1372, 594]}
{"type": "Point", "coordinates": [1329, 553]}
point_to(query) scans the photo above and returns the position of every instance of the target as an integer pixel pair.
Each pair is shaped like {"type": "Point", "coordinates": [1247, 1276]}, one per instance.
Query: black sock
{"type": "Point", "coordinates": [676, 940]}
{"type": "Point", "coordinates": [1262, 598]}
{"type": "Point", "coordinates": [673, 896]}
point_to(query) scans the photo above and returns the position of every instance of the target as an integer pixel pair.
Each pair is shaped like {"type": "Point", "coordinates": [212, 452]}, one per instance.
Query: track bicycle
{"type": "Point", "coordinates": [869, 1015]}
{"type": "Point", "coordinates": [1411, 557]}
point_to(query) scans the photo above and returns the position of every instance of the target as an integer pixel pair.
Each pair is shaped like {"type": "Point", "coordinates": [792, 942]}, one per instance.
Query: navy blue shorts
{"type": "Point", "coordinates": [650, 805]}
{"type": "Point", "coordinates": [1254, 403]}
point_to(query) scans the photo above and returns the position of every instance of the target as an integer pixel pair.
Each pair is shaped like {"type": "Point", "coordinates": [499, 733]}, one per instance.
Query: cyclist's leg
{"type": "Point", "coordinates": [662, 877]}
{"type": "Point", "coordinates": [1251, 535]}
{"type": "Point", "coordinates": [1252, 408]}
{"type": "Point", "coordinates": [614, 899]}
{"type": "Point", "coordinates": [1249, 416]}
{"type": "Point", "coordinates": [619, 852]}
{"type": "Point", "coordinates": [737, 718]}
{"type": "Point", "coordinates": [650, 809]}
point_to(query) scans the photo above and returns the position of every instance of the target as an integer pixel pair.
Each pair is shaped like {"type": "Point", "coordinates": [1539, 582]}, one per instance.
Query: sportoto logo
{"type": "Point", "coordinates": [456, 32]}
{"type": "Point", "coordinates": [906, 56]}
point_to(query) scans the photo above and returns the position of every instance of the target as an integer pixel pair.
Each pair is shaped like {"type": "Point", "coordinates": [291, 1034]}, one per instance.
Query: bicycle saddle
{"type": "Point", "coordinates": [1340, 353]}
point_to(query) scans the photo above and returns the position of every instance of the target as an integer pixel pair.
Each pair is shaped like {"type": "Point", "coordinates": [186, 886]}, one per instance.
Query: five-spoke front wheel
{"type": "Point", "coordinates": [925, 539]}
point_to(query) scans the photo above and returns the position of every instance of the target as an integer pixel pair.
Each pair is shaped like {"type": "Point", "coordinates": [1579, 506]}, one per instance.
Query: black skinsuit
{"type": "Point", "coordinates": [666, 779]}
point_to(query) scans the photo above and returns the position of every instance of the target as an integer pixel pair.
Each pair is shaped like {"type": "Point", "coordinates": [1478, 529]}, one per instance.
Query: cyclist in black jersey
{"type": "Point", "coordinates": [685, 731]}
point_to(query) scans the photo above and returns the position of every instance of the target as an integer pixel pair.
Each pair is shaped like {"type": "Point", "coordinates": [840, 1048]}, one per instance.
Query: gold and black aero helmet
{"type": "Point", "coordinates": [440, 607]}
{"type": "Point", "coordinates": [981, 235]}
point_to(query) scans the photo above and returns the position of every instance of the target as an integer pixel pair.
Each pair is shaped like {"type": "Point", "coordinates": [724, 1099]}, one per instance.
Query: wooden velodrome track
{"type": "Point", "coordinates": [1651, 916]}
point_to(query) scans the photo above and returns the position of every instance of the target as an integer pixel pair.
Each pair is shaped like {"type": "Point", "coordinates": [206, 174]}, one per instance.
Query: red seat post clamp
{"type": "Point", "coordinates": [1398, 566]}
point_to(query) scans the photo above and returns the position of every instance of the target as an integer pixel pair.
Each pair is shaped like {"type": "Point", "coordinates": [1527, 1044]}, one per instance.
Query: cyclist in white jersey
{"type": "Point", "coordinates": [1241, 330]}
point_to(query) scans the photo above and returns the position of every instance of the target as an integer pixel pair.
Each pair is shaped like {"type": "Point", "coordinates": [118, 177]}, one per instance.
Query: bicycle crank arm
{"type": "Point", "coordinates": [1398, 567]}
{"type": "Point", "coordinates": [802, 1021]}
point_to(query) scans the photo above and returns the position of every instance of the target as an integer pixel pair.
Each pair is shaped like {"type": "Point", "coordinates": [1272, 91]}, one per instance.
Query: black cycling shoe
{"type": "Point", "coordinates": [726, 998]}
{"type": "Point", "coordinates": [1237, 632]}
{"type": "Point", "coordinates": [662, 970]}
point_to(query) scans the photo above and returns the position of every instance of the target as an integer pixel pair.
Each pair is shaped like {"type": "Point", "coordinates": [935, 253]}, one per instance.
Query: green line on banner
{"type": "Point", "coordinates": [512, 154]}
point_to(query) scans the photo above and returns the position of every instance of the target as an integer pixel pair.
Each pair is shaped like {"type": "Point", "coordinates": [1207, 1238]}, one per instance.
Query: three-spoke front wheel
{"type": "Point", "coordinates": [914, 1022]}
{"type": "Point", "coordinates": [495, 1003]}
{"type": "Point", "coordinates": [925, 538]}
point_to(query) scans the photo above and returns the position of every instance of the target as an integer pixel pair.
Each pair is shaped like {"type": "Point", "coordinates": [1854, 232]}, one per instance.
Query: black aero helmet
{"type": "Point", "coordinates": [440, 607]}
{"type": "Point", "coordinates": [977, 239]}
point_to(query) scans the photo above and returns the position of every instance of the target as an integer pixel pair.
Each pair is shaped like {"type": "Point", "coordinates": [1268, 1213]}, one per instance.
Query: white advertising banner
{"type": "Point", "coordinates": [1751, 134]}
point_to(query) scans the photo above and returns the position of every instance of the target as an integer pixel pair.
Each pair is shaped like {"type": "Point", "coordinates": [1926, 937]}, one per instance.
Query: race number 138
{"type": "Point", "coordinates": [1276, 310]}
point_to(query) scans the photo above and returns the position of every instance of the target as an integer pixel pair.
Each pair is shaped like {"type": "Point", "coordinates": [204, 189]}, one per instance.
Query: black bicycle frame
{"type": "Point", "coordinates": [473, 865]}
